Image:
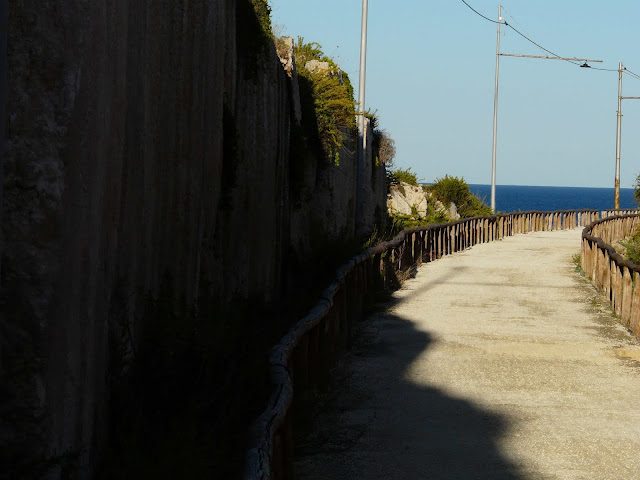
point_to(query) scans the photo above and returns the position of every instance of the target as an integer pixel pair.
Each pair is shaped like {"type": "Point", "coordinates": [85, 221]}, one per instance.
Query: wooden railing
{"type": "Point", "coordinates": [300, 363]}
{"type": "Point", "coordinates": [613, 213]}
{"type": "Point", "coordinates": [617, 278]}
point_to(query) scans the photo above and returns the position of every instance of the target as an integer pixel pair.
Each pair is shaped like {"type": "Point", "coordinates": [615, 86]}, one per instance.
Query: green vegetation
{"type": "Point", "coordinates": [400, 221]}
{"type": "Point", "coordinates": [445, 190]}
{"type": "Point", "coordinates": [254, 35]}
{"type": "Point", "coordinates": [395, 176]}
{"type": "Point", "coordinates": [327, 100]}
{"type": "Point", "coordinates": [631, 247]}
{"type": "Point", "coordinates": [452, 189]}
{"type": "Point", "coordinates": [383, 150]}
{"type": "Point", "coordinates": [263, 12]}
{"type": "Point", "coordinates": [577, 263]}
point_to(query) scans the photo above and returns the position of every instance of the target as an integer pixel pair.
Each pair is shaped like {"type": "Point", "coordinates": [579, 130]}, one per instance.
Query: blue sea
{"type": "Point", "coordinates": [513, 198]}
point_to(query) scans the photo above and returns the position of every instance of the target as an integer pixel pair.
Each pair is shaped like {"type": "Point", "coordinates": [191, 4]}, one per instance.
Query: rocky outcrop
{"type": "Point", "coordinates": [453, 211]}
{"type": "Point", "coordinates": [147, 194]}
{"type": "Point", "coordinates": [284, 47]}
{"type": "Point", "coordinates": [406, 199]}
{"type": "Point", "coordinates": [317, 66]}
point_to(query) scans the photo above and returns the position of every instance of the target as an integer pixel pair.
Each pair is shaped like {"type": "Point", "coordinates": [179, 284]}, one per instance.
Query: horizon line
{"type": "Point", "coordinates": [543, 186]}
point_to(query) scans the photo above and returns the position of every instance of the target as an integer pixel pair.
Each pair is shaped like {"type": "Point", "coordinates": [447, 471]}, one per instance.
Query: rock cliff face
{"type": "Point", "coordinates": [405, 199]}
{"type": "Point", "coordinates": [147, 176]}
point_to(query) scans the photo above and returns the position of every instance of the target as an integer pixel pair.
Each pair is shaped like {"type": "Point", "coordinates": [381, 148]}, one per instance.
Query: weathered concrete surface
{"type": "Point", "coordinates": [146, 162]}
{"type": "Point", "coordinates": [498, 362]}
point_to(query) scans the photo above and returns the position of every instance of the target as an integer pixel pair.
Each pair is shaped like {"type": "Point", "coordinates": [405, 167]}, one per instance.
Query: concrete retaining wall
{"type": "Point", "coordinates": [145, 144]}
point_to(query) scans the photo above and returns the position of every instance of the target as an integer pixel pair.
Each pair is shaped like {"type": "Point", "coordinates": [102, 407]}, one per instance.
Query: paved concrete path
{"type": "Point", "coordinates": [500, 362]}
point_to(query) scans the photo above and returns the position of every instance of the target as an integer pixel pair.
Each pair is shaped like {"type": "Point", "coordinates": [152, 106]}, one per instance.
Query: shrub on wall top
{"type": "Point", "coordinates": [332, 94]}
{"type": "Point", "coordinates": [452, 189]}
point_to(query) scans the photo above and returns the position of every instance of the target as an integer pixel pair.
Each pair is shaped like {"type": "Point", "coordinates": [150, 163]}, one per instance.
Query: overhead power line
{"type": "Point", "coordinates": [478, 13]}
{"type": "Point", "coordinates": [622, 69]}
{"type": "Point", "coordinates": [604, 69]}
{"type": "Point", "coordinates": [631, 74]}
{"type": "Point", "coordinates": [544, 49]}
{"type": "Point", "coordinates": [536, 44]}
{"type": "Point", "coordinates": [504, 22]}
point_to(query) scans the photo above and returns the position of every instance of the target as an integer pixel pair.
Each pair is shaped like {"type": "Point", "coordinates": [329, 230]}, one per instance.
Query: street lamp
{"type": "Point", "coordinates": [495, 117]}
{"type": "Point", "coordinates": [616, 194]}
{"type": "Point", "coordinates": [495, 98]}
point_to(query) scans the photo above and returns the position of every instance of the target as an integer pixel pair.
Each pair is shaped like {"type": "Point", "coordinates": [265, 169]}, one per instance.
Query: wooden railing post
{"type": "Point", "coordinates": [627, 299]}
{"type": "Point", "coordinates": [607, 275]}
{"type": "Point", "coordinates": [590, 261]}
{"type": "Point", "coordinates": [417, 248]}
{"type": "Point", "coordinates": [465, 234]}
{"type": "Point", "coordinates": [598, 274]}
{"type": "Point", "coordinates": [616, 284]}
{"type": "Point", "coordinates": [634, 317]}
{"type": "Point", "coordinates": [595, 252]}
{"type": "Point", "coordinates": [452, 239]}
{"type": "Point", "coordinates": [407, 252]}
{"type": "Point", "coordinates": [432, 245]}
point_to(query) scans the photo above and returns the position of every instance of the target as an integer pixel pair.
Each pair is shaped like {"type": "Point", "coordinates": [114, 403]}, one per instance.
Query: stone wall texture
{"type": "Point", "coordinates": [144, 144]}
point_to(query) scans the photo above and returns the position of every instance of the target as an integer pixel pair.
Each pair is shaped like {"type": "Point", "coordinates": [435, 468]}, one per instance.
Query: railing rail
{"type": "Point", "coordinates": [306, 353]}
{"type": "Point", "coordinates": [617, 278]}
{"type": "Point", "coordinates": [611, 213]}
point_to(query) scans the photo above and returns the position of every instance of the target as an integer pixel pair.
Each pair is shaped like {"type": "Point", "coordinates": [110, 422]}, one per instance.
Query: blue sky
{"type": "Point", "coordinates": [430, 77]}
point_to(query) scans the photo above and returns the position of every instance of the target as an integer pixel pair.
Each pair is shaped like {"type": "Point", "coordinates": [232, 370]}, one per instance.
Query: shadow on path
{"type": "Point", "coordinates": [377, 424]}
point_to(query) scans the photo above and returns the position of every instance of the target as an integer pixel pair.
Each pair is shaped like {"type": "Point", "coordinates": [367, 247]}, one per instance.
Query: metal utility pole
{"type": "Point", "coordinates": [361, 119]}
{"type": "Point", "coordinates": [495, 99]}
{"type": "Point", "coordinates": [495, 117]}
{"type": "Point", "coordinates": [616, 194]}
